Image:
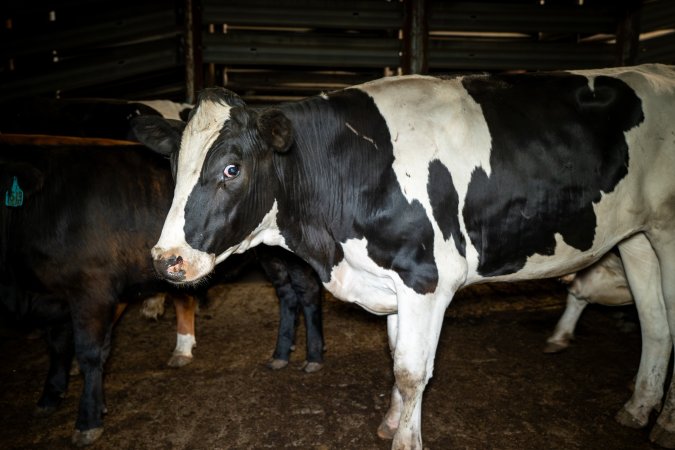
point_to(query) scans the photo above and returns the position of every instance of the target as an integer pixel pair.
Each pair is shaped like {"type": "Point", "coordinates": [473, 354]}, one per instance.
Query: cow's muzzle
{"type": "Point", "coordinates": [170, 268]}
{"type": "Point", "coordinates": [180, 264]}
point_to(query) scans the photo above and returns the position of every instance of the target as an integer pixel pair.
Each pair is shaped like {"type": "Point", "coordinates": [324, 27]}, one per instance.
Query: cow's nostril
{"type": "Point", "coordinates": [170, 267]}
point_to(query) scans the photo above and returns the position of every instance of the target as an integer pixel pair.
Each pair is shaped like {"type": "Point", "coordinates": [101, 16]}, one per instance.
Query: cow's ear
{"type": "Point", "coordinates": [276, 129]}
{"type": "Point", "coordinates": [157, 133]}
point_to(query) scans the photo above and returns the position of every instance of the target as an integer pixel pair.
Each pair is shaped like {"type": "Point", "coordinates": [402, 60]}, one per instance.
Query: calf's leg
{"type": "Point", "coordinates": [186, 308]}
{"type": "Point", "coordinates": [60, 346]}
{"type": "Point", "coordinates": [308, 290]}
{"type": "Point", "coordinates": [92, 326]}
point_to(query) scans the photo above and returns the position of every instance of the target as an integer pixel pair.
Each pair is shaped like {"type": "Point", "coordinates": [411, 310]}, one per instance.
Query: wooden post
{"type": "Point", "coordinates": [415, 37]}
{"type": "Point", "coordinates": [628, 33]}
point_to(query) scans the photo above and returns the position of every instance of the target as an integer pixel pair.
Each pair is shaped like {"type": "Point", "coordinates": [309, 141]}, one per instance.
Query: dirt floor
{"type": "Point", "coordinates": [493, 388]}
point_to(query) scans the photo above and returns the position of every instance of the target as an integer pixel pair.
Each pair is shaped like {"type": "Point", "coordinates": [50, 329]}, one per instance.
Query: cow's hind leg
{"type": "Point", "coordinates": [644, 275]}
{"type": "Point", "coordinates": [564, 329]}
{"type": "Point", "coordinates": [663, 242]}
{"type": "Point", "coordinates": [420, 319]}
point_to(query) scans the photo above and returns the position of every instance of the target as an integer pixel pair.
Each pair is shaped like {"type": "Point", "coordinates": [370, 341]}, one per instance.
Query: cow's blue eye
{"type": "Point", "coordinates": [231, 171]}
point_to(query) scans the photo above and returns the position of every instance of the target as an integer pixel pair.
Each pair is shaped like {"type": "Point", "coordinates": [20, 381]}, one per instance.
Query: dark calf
{"type": "Point", "coordinates": [79, 242]}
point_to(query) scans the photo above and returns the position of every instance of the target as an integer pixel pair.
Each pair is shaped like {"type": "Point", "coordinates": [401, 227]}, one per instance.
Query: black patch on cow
{"type": "Point", "coordinates": [339, 183]}
{"type": "Point", "coordinates": [445, 203]}
{"type": "Point", "coordinates": [557, 145]}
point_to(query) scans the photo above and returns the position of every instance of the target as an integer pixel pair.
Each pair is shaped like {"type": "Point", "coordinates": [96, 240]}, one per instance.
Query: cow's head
{"type": "Point", "coordinates": [223, 200]}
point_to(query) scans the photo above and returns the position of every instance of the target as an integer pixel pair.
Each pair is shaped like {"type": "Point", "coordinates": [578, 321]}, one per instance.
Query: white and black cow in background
{"type": "Point", "coordinates": [603, 283]}
{"type": "Point", "coordinates": [400, 191]}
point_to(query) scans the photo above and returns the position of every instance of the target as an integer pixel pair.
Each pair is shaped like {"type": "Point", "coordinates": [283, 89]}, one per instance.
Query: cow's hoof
{"type": "Point", "coordinates": [179, 361]}
{"type": "Point", "coordinates": [276, 364]}
{"type": "Point", "coordinates": [662, 437]}
{"type": "Point", "coordinates": [386, 431]}
{"type": "Point", "coordinates": [44, 411]}
{"type": "Point", "coordinates": [555, 347]}
{"type": "Point", "coordinates": [311, 367]}
{"type": "Point", "coordinates": [88, 437]}
{"type": "Point", "coordinates": [628, 420]}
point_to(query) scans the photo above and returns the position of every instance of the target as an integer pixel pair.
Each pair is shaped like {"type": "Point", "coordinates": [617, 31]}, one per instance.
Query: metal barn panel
{"type": "Point", "coordinates": [504, 55]}
{"type": "Point", "coordinates": [298, 49]}
{"type": "Point", "coordinates": [49, 48]}
{"type": "Point", "coordinates": [339, 14]}
{"type": "Point", "coordinates": [521, 18]}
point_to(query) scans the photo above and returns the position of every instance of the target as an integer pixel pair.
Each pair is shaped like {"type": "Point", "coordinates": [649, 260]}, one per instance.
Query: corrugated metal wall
{"type": "Point", "coordinates": [268, 50]}
{"type": "Point", "coordinates": [92, 48]}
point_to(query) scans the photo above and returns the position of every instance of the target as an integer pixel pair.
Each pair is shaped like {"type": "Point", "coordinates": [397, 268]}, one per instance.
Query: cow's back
{"type": "Point", "coordinates": [545, 166]}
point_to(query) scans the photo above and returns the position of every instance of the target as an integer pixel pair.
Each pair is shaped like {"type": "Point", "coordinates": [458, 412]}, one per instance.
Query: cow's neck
{"type": "Point", "coordinates": [335, 176]}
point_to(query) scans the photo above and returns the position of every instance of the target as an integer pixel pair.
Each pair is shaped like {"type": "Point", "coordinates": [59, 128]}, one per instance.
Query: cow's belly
{"type": "Point", "coordinates": [357, 279]}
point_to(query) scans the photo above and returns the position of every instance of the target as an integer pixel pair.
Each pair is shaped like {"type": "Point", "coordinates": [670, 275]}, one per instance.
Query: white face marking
{"type": "Point", "coordinates": [199, 135]}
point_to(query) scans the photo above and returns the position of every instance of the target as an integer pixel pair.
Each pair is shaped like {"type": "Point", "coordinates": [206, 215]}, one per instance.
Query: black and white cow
{"type": "Point", "coordinates": [400, 191]}
{"type": "Point", "coordinates": [76, 228]}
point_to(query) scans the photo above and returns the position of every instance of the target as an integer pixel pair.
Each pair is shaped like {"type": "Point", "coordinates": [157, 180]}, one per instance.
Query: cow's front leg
{"type": "Point", "coordinates": [92, 328]}
{"type": "Point", "coordinates": [60, 344]}
{"type": "Point", "coordinates": [420, 318]}
{"type": "Point", "coordinates": [643, 274]}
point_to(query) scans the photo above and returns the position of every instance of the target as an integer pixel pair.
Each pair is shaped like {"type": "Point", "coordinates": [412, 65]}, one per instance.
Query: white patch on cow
{"type": "Point", "coordinates": [267, 232]}
{"type": "Point", "coordinates": [184, 344]}
{"type": "Point", "coordinates": [358, 279]}
{"type": "Point", "coordinates": [199, 135]}
{"type": "Point", "coordinates": [167, 108]}
{"type": "Point", "coordinates": [432, 119]}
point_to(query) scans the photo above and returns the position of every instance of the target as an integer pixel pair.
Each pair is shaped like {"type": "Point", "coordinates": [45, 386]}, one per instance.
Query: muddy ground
{"type": "Point", "coordinates": [493, 388]}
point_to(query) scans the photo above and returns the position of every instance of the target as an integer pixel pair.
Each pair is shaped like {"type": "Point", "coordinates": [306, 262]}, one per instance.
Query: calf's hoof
{"type": "Point", "coordinates": [179, 361]}
{"type": "Point", "coordinates": [628, 420]}
{"type": "Point", "coordinates": [276, 364]}
{"type": "Point", "coordinates": [87, 437]}
{"type": "Point", "coordinates": [661, 436]}
{"type": "Point", "coordinates": [311, 367]}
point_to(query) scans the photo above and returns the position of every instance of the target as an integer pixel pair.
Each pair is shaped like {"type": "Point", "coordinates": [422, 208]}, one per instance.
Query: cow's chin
{"type": "Point", "coordinates": [183, 266]}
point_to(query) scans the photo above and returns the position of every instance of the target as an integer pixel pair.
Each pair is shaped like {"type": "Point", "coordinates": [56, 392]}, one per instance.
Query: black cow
{"type": "Point", "coordinates": [76, 227]}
